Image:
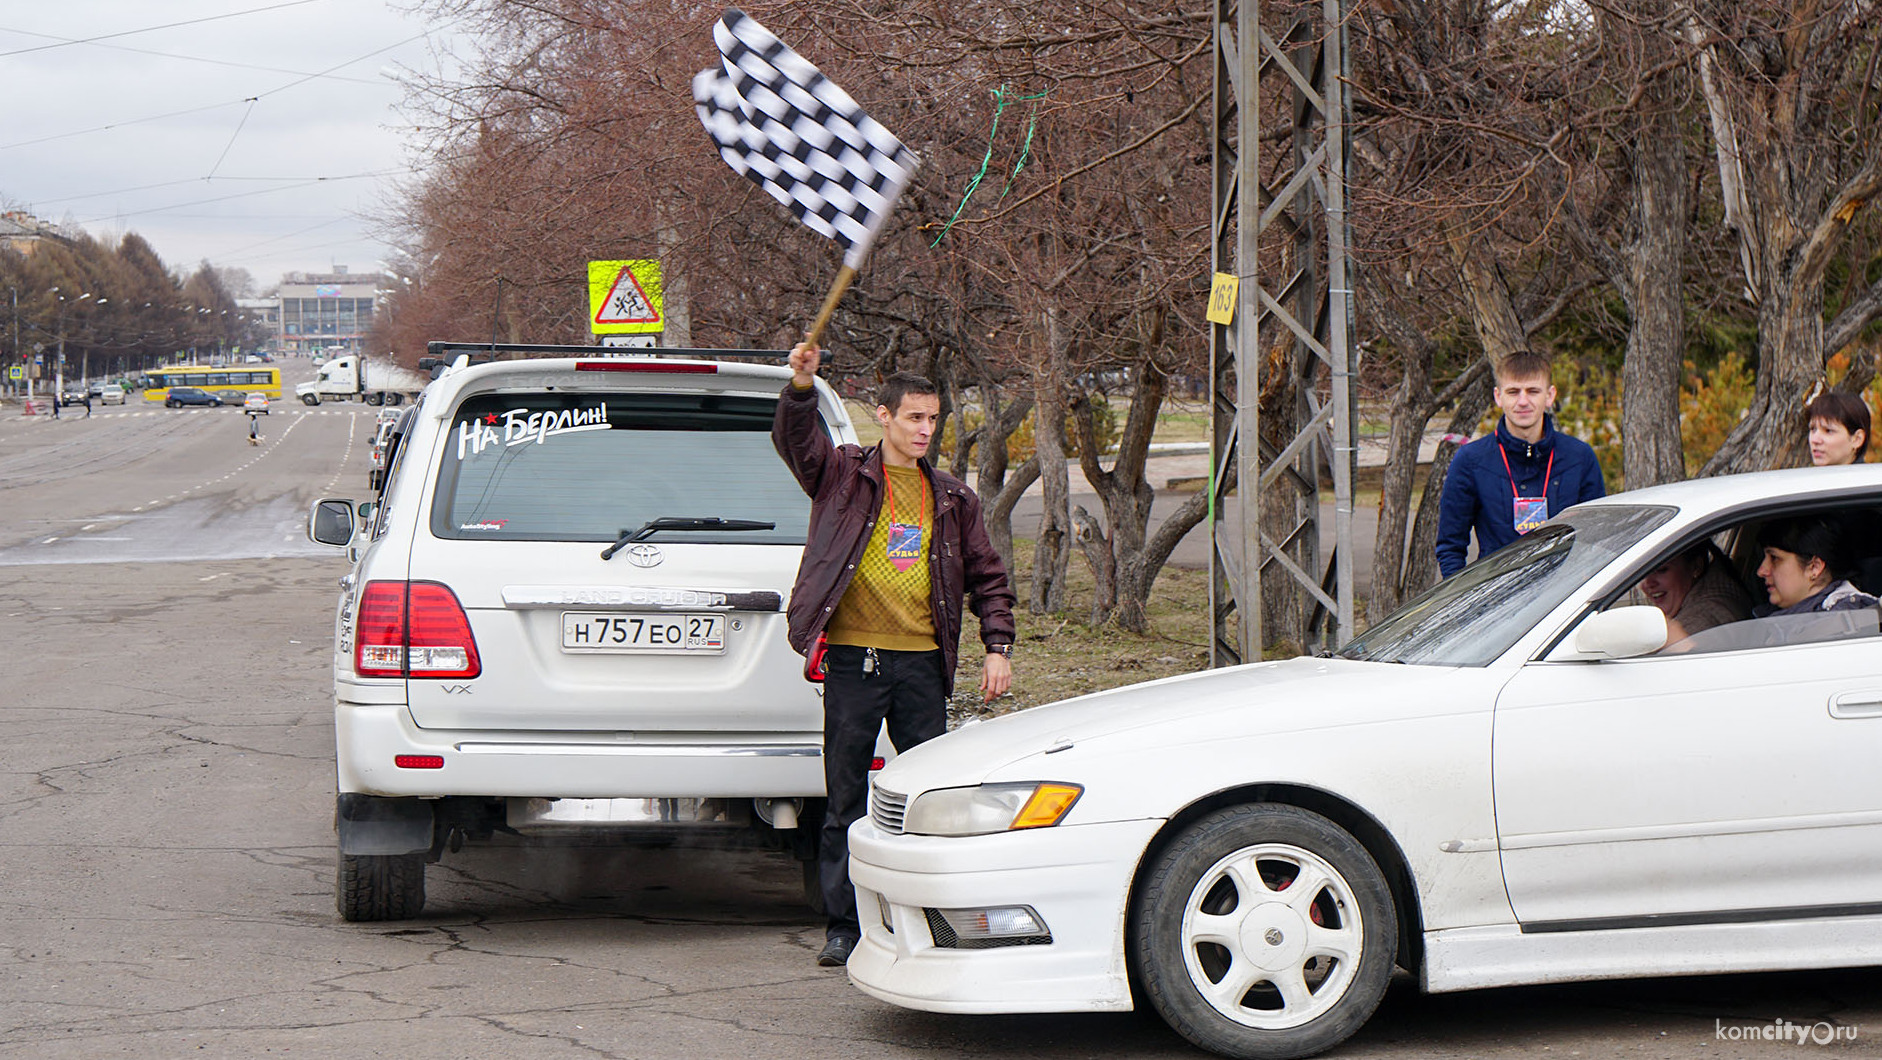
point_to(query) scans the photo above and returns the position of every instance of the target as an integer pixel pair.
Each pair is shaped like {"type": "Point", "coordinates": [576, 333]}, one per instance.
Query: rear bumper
{"type": "Point", "coordinates": [369, 738]}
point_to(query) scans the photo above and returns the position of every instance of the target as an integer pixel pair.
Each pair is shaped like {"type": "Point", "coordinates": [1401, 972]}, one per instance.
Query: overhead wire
{"type": "Point", "coordinates": [211, 175]}
{"type": "Point", "coordinates": [66, 43]}
{"type": "Point", "coordinates": [230, 103]}
{"type": "Point", "coordinates": [283, 183]}
{"type": "Point", "coordinates": [242, 195]}
{"type": "Point", "coordinates": [178, 55]}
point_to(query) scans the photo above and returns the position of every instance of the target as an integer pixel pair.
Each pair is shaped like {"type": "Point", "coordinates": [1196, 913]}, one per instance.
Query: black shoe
{"type": "Point", "coordinates": [836, 951]}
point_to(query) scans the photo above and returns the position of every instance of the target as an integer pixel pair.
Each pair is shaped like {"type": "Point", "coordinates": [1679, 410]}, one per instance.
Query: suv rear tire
{"type": "Point", "coordinates": [380, 886]}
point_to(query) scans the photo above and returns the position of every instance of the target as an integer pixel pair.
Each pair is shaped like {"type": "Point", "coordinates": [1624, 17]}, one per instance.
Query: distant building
{"type": "Point", "coordinates": [322, 312]}
{"type": "Point", "coordinates": [23, 232]}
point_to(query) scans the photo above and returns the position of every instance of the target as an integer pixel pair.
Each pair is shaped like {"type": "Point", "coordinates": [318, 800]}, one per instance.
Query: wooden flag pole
{"type": "Point", "coordinates": [843, 278]}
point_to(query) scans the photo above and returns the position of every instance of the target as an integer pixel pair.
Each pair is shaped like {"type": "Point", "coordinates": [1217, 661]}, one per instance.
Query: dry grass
{"type": "Point", "coordinates": [1061, 655]}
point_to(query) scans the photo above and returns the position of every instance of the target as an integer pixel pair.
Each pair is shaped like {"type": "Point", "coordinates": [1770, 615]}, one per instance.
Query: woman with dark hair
{"type": "Point", "coordinates": [1839, 428]}
{"type": "Point", "coordinates": [1805, 559]}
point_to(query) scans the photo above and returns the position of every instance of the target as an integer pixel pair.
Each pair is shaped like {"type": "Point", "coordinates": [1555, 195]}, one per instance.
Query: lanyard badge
{"type": "Point", "coordinates": [904, 545]}
{"type": "Point", "coordinates": [1527, 513]}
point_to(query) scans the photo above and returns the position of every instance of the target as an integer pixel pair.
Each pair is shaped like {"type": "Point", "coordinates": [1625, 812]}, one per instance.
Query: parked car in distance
{"type": "Point", "coordinates": [256, 402]}
{"type": "Point", "coordinates": [180, 396]}
{"type": "Point", "coordinates": [253, 358]}
{"type": "Point", "coordinates": [381, 444]}
{"type": "Point", "coordinates": [1514, 779]}
{"type": "Point", "coordinates": [111, 394]}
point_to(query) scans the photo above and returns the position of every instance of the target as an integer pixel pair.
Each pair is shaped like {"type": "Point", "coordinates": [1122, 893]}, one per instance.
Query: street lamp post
{"type": "Point", "coordinates": [25, 376]}
{"type": "Point", "coordinates": [84, 370]}
{"type": "Point", "coordinates": [58, 388]}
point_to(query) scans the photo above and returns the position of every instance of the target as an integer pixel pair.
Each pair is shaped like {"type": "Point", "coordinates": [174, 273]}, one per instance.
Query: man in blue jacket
{"type": "Point", "coordinates": [1507, 483]}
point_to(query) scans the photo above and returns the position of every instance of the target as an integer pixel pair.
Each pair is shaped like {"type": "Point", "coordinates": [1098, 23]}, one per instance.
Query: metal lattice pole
{"type": "Point", "coordinates": [1286, 240]}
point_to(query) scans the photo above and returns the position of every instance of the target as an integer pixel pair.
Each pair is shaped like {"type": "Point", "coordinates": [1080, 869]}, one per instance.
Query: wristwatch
{"type": "Point", "coordinates": [1000, 649]}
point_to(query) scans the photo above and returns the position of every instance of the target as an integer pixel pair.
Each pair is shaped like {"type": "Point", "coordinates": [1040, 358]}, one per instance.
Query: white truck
{"type": "Point", "coordinates": [374, 380]}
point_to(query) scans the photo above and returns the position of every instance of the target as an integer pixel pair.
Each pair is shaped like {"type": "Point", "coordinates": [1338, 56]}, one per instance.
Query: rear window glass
{"type": "Point", "coordinates": [592, 466]}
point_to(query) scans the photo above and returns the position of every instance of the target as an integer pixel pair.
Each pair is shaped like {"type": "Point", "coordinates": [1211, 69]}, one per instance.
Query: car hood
{"type": "Point", "coordinates": [1214, 705]}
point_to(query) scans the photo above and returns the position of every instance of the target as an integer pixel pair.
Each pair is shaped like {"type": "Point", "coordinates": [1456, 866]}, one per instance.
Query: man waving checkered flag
{"type": "Point", "coordinates": [779, 121]}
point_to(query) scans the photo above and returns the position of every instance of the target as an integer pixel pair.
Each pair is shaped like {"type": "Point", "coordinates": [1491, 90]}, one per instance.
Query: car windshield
{"type": "Point", "coordinates": [591, 466]}
{"type": "Point", "coordinates": [1474, 616]}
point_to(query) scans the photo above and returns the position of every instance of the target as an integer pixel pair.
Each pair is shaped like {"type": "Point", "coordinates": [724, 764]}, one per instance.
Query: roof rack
{"type": "Point", "coordinates": [480, 352]}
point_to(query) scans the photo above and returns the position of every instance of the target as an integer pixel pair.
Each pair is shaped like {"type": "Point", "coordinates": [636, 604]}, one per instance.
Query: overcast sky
{"type": "Point", "coordinates": [212, 139]}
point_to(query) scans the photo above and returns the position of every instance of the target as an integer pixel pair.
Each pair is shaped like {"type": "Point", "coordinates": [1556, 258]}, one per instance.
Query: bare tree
{"type": "Point", "coordinates": [1790, 89]}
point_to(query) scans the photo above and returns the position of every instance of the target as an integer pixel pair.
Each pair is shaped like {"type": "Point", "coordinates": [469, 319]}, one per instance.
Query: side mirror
{"type": "Point", "coordinates": [331, 522]}
{"type": "Point", "coordinates": [1622, 633]}
{"type": "Point", "coordinates": [366, 508]}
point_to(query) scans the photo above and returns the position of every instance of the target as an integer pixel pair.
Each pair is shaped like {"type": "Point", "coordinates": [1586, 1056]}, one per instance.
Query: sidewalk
{"type": "Point", "coordinates": [1184, 465]}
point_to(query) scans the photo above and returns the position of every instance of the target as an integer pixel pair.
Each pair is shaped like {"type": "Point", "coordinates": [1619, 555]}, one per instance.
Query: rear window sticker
{"type": "Point", "coordinates": [483, 524]}
{"type": "Point", "coordinates": [518, 426]}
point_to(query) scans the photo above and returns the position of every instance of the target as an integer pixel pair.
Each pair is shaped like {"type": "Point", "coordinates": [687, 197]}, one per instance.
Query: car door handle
{"type": "Point", "coordinates": [1864, 704]}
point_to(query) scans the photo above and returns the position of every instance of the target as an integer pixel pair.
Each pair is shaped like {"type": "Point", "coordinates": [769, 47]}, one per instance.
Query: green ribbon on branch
{"type": "Point", "coordinates": [1000, 96]}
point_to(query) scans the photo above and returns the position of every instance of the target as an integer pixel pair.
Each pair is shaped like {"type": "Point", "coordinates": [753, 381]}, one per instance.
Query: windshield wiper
{"type": "Point", "coordinates": [654, 526]}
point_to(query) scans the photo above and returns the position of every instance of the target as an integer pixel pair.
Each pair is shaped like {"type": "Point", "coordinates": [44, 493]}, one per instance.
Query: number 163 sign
{"type": "Point", "coordinates": [1222, 298]}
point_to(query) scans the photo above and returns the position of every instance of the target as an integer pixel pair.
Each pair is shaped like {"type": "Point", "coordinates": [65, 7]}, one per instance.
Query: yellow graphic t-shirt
{"type": "Point", "coordinates": [887, 602]}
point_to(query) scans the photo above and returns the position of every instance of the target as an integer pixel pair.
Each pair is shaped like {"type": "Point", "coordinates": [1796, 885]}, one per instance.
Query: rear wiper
{"type": "Point", "coordinates": [654, 526]}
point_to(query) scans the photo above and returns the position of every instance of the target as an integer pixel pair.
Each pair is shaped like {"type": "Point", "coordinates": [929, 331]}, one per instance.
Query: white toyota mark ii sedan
{"type": "Point", "coordinates": [1515, 779]}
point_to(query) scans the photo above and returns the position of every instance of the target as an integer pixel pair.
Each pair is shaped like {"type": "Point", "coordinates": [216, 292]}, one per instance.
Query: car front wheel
{"type": "Point", "coordinates": [380, 887]}
{"type": "Point", "coordinates": [1264, 931]}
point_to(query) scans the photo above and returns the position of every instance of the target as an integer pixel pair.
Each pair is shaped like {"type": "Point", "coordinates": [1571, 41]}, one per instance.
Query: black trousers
{"type": "Point", "coordinates": [905, 687]}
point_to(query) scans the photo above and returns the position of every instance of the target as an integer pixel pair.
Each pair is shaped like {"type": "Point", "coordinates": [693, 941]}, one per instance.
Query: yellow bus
{"type": "Point", "coordinates": [243, 378]}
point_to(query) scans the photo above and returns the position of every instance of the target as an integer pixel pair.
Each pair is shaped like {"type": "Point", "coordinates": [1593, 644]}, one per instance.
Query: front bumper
{"type": "Point", "coordinates": [369, 737]}
{"type": "Point", "coordinates": [1078, 879]}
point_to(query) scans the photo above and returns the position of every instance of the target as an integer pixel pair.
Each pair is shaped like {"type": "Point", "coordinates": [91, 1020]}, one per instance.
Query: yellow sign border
{"type": "Point", "coordinates": [601, 279]}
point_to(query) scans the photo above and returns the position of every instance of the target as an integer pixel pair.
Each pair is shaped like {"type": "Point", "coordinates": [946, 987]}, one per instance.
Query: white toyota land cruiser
{"type": "Point", "coordinates": [567, 615]}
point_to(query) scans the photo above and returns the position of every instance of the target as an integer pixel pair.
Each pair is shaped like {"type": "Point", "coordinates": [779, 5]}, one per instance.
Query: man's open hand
{"type": "Point", "coordinates": [996, 676]}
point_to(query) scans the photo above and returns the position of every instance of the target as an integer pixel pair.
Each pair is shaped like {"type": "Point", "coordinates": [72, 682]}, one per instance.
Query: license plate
{"type": "Point", "coordinates": [615, 632]}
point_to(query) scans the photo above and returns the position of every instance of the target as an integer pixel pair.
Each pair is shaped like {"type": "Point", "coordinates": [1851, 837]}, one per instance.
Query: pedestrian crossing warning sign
{"type": "Point", "coordinates": [624, 297]}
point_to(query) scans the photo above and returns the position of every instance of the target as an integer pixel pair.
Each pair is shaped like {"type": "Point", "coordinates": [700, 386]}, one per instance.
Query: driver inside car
{"type": "Point", "coordinates": [1696, 590]}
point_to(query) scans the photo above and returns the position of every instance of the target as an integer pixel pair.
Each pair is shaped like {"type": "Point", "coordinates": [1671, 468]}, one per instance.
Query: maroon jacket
{"type": "Point", "coordinates": [845, 487]}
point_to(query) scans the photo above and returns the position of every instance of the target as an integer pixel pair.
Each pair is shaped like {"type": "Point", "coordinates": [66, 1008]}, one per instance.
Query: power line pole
{"type": "Point", "coordinates": [1286, 246]}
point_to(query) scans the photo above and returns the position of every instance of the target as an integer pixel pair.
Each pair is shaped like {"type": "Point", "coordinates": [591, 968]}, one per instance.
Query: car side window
{"type": "Point", "coordinates": [1776, 631]}
{"type": "Point", "coordinates": [1721, 593]}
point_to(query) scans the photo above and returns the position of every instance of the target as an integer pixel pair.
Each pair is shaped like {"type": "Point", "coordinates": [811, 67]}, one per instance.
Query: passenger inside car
{"type": "Point", "coordinates": [1805, 562]}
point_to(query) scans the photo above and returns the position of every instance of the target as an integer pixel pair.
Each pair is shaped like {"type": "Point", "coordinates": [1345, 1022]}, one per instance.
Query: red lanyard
{"type": "Point", "coordinates": [888, 489]}
{"type": "Point", "coordinates": [1546, 472]}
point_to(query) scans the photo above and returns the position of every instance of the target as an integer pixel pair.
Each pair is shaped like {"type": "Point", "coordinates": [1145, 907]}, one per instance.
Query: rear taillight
{"type": "Point", "coordinates": [413, 629]}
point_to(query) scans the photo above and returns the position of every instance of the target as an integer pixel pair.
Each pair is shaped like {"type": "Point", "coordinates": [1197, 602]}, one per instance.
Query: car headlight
{"type": "Point", "coordinates": [987, 808]}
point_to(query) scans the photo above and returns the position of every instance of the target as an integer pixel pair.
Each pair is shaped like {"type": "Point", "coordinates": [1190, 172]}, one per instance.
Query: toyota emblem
{"type": "Point", "coordinates": [644, 555]}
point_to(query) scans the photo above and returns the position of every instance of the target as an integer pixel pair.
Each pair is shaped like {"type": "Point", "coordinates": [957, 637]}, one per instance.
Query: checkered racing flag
{"type": "Point", "coordinates": [779, 121]}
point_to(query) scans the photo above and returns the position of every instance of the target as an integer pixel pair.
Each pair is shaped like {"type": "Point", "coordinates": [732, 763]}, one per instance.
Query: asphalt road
{"type": "Point", "coordinates": [166, 787]}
